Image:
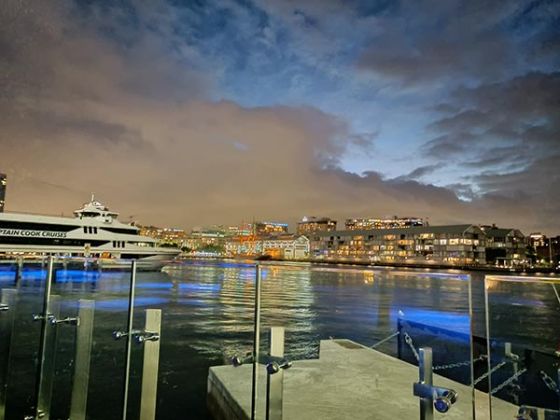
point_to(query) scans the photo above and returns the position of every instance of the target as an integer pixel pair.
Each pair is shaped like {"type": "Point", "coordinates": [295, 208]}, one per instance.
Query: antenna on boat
{"type": "Point", "coordinates": [92, 197]}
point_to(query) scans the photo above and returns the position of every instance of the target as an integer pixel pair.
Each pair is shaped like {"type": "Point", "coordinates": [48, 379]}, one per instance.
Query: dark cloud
{"type": "Point", "coordinates": [430, 42]}
{"type": "Point", "coordinates": [125, 102]}
{"type": "Point", "coordinates": [509, 132]}
{"type": "Point", "coordinates": [419, 172]}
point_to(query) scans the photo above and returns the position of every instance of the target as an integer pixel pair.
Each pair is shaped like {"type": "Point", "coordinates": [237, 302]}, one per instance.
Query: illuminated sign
{"type": "Point", "coordinates": [24, 233]}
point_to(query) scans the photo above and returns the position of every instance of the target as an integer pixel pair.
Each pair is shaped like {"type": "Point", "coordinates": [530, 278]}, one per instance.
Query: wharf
{"type": "Point", "coordinates": [348, 381]}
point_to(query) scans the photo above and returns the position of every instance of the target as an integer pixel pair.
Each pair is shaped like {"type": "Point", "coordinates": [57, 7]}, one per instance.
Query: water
{"type": "Point", "coordinates": [208, 313]}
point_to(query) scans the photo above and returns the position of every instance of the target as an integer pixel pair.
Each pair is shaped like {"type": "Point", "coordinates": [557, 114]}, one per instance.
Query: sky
{"type": "Point", "coordinates": [190, 113]}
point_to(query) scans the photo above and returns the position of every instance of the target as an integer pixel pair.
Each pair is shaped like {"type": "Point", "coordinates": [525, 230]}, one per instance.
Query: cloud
{"type": "Point", "coordinates": [509, 132]}
{"type": "Point", "coordinates": [427, 42]}
{"type": "Point", "coordinates": [120, 103]}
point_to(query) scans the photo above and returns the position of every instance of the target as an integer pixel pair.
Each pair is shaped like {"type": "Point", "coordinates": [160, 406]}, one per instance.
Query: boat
{"type": "Point", "coordinates": [94, 233]}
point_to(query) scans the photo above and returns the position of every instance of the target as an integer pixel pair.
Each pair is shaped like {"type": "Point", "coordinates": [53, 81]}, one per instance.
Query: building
{"type": "Point", "coordinates": [395, 222]}
{"type": "Point", "coordinates": [3, 185]}
{"type": "Point", "coordinates": [505, 247]}
{"type": "Point", "coordinates": [207, 238]}
{"type": "Point", "coordinates": [445, 245]}
{"type": "Point", "coordinates": [270, 228]}
{"type": "Point", "coordinates": [165, 236]}
{"type": "Point", "coordinates": [279, 246]}
{"type": "Point", "coordinates": [315, 224]}
{"type": "Point", "coordinates": [544, 250]}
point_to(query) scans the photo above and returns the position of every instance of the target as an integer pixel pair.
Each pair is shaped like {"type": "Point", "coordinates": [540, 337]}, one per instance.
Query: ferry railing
{"type": "Point", "coordinates": [523, 344]}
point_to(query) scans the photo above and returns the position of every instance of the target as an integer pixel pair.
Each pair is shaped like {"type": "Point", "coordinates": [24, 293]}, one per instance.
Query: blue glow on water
{"type": "Point", "coordinates": [200, 287]}
{"type": "Point", "coordinates": [450, 321]}
{"type": "Point", "coordinates": [122, 304]}
{"type": "Point", "coordinates": [154, 285]}
{"type": "Point", "coordinates": [77, 276]}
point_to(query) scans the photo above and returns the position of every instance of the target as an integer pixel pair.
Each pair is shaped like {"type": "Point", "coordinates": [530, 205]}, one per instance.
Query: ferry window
{"type": "Point", "coordinates": [85, 229]}
{"type": "Point", "coordinates": [114, 244]}
{"type": "Point", "coordinates": [95, 230]}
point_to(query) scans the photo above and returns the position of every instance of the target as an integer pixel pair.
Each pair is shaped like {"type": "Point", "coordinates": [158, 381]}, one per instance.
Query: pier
{"type": "Point", "coordinates": [348, 380]}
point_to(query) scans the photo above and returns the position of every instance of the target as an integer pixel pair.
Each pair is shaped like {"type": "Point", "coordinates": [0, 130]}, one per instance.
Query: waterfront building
{"type": "Point", "coordinates": [208, 238]}
{"type": "Point", "coordinates": [270, 228]}
{"type": "Point", "coordinates": [545, 250]}
{"type": "Point", "coordinates": [373, 223]}
{"type": "Point", "coordinates": [243, 246]}
{"type": "Point", "coordinates": [505, 247]}
{"type": "Point", "coordinates": [315, 224]}
{"type": "Point", "coordinates": [168, 236]}
{"type": "Point", "coordinates": [3, 185]}
{"type": "Point", "coordinates": [285, 246]}
{"type": "Point", "coordinates": [446, 245]}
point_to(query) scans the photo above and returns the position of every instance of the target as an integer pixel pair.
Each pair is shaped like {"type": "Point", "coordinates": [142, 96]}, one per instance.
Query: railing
{"type": "Point", "coordinates": [305, 341]}
{"type": "Point", "coordinates": [38, 309]}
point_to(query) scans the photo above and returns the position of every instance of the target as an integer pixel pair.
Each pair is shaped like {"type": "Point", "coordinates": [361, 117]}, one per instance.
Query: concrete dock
{"type": "Point", "coordinates": [348, 381]}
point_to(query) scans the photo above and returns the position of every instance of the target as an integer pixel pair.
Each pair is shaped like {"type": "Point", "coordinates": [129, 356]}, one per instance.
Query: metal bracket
{"type": "Point", "coordinates": [431, 396]}
{"type": "Point", "coordinates": [39, 317]}
{"type": "Point", "coordinates": [443, 398]}
{"type": "Point", "coordinates": [139, 336]}
{"type": "Point", "coordinates": [273, 363]}
{"type": "Point", "coordinates": [68, 320]}
{"type": "Point", "coordinates": [117, 335]}
{"type": "Point", "coordinates": [274, 367]}
{"type": "Point", "coordinates": [144, 336]}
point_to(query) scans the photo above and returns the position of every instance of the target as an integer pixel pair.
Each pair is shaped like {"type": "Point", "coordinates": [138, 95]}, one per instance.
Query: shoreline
{"type": "Point", "coordinates": [489, 269]}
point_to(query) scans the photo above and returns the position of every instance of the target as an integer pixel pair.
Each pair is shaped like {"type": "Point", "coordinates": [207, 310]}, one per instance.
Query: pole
{"type": "Point", "coordinates": [425, 377]}
{"type": "Point", "coordinates": [129, 336]}
{"type": "Point", "coordinates": [256, 341]}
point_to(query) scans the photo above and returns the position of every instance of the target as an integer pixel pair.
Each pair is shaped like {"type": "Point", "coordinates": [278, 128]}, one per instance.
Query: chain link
{"type": "Point", "coordinates": [494, 369]}
{"type": "Point", "coordinates": [408, 340]}
{"type": "Point", "coordinates": [549, 382]}
{"type": "Point", "coordinates": [508, 381]}
{"type": "Point", "coordinates": [458, 364]}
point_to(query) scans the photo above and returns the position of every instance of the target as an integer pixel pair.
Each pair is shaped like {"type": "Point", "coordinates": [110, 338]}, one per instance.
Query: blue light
{"type": "Point", "coordinates": [201, 287]}
{"type": "Point", "coordinates": [450, 321]}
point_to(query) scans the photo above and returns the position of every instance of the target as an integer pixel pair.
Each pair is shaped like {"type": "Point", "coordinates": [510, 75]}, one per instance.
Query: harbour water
{"type": "Point", "coordinates": [208, 317]}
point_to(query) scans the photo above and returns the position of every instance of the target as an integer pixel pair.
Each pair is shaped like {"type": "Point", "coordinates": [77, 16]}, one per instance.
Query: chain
{"type": "Point", "coordinates": [494, 369]}
{"type": "Point", "coordinates": [385, 339]}
{"type": "Point", "coordinates": [549, 382]}
{"type": "Point", "coordinates": [508, 381]}
{"type": "Point", "coordinates": [458, 364]}
{"type": "Point", "coordinates": [408, 340]}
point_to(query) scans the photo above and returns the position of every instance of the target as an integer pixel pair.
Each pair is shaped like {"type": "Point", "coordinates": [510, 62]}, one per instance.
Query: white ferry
{"type": "Point", "coordinates": [94, 233]}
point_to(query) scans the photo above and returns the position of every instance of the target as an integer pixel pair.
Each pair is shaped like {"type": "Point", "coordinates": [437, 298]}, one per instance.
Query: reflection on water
{"type": "Point", "coordinates": [208, 313]}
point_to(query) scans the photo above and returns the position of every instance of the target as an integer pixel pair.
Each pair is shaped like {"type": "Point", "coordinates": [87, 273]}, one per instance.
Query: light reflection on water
{"type": "Point", "coordinates": [208, 314]}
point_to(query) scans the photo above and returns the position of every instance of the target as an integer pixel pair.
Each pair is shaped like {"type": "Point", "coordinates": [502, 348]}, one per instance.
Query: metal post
{"type": "Point", "coordinates": [151, 364]}
{"type": "Point", "coordinates": [84, 341]}
{"type": "Point", "coordinates": [488, 347]}
{"type": "Point", "coordinates": [471, 344]}
{"type": "Point", "coordinates": [129, 337]}
{"type": "Point", "coordinates": [44, 389]}
{"type": "Point", "coordinates": [48, 358]}
{"type": "Point", "coordinates": [275, 383]}
{"type": "Point", "coordinates": [425, 377]}
{"type": "Point", "coordinates": [256, 341]}
{"type": "Point", "coordinates": [7, 316]}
